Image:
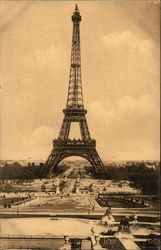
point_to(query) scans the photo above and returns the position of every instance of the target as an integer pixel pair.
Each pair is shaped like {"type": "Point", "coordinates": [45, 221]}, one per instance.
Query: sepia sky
{"type": "Point", "coordinates": [120, 50]}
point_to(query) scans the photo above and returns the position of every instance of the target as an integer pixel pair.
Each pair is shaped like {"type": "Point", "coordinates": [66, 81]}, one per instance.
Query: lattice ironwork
{"type": "Point", "coordinates": [75, 96]}
{"type": "Point", "coordinates": [74, 112]}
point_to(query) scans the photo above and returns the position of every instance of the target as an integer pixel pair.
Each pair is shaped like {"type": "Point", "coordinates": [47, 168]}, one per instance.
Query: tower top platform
{"type": "Point", "coordinates": [76, 17]}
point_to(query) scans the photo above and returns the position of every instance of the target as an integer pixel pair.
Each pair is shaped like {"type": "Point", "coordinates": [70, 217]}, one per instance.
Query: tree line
{"type": "Point", "coordinates": [141, 176]}
{"type": "Point", "coordinates": [31, 171]}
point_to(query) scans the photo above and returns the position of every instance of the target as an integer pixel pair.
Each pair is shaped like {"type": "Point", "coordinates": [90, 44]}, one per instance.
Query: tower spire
{"type": "Point", "coordinates": [76, 7]}
{"type": "Point", "coordinates": [75, 96]}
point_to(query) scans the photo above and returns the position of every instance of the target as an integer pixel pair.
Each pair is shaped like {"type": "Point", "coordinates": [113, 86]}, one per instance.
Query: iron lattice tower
{"type": "Point", "coordinates": [74, 112]}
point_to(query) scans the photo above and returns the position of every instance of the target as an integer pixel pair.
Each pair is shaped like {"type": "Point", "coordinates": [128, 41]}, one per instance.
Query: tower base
{"type": "Point", "coordinates": [63, 149]}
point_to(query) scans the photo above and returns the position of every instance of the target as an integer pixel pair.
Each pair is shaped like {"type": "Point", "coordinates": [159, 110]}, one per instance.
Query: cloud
{"type": "Point", "coordinates": [52, 57]}
{"type": "Point", "coordinates": [140, 149]}
{"type": "Point", "coordinates": [144, 106]}
{"type": "Point", "coordinates": [126, 129]}
{"type": "Point", "coordinates": [128, 39]}
{"type": "Point", "coordinates": [127, 106]}
{"type": "Point", "coordinates": [99, 111]}
{"type": "Point", "coordinates": [39, 144]}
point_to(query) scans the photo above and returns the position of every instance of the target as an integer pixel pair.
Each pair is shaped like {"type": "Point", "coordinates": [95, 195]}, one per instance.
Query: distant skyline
{"type": "Point", "coordinates": [79, 159]}
{"type": "Point", "coordinates": [120, 55]}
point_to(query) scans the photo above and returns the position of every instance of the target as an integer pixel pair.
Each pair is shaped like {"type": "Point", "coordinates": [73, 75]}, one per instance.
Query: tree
{"type": "Point", "coordinates": [43, 187]}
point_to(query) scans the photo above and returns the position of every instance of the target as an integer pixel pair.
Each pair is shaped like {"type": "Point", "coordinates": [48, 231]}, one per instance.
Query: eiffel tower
{"type": "Point", "coordinates": [74, 112]}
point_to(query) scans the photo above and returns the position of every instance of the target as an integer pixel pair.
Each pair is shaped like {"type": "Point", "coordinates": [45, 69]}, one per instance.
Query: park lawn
{"type": "Point", "coordinates": [60, 204]}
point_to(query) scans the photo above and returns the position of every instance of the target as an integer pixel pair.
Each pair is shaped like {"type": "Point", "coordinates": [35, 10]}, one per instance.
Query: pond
{"type": "Point", "coordinates": [46, 226]}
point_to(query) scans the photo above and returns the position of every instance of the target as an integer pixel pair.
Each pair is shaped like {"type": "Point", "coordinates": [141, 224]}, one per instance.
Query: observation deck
{"type": "Point", "coordinates": [74, 144]}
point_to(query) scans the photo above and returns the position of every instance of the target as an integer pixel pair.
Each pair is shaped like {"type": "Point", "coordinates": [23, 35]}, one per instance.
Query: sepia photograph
{"type": "Point", "coordinates": [80, 124]}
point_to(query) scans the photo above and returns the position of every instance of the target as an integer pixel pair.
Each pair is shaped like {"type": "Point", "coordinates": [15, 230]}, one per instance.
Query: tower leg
{"type": "Point", "coordinates": [96, 161]}
{"type": "Point", "coordinates": [84, 130]}
{"type": "Point", "coordinates": [65, 128]}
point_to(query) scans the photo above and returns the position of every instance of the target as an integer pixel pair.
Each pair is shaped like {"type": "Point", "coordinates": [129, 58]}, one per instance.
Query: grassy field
{"type": "Point", "coordinates": [64, 203]}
